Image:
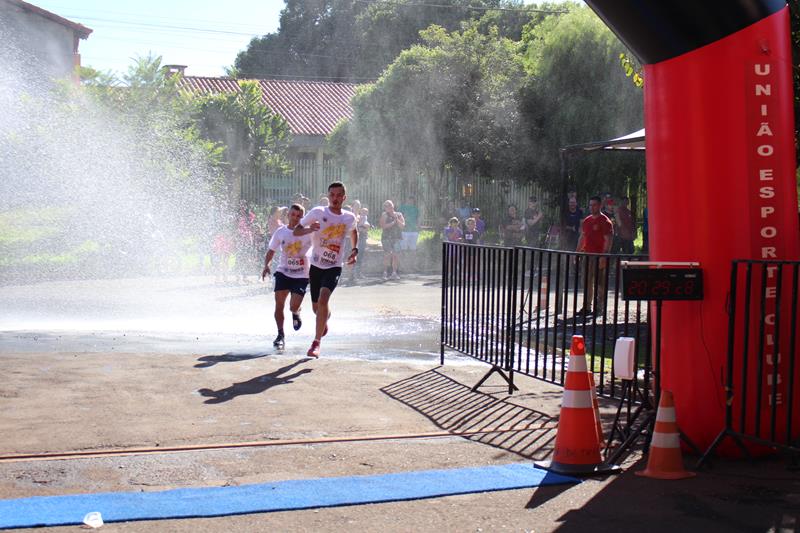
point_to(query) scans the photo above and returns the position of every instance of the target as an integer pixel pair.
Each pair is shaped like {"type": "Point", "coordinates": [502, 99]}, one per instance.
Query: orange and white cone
{"type": "Point", "coordinates": [545, 290]}
{"type": "Point", "coordinates": [596, 407]}
{"type": "Point", "coordinates": [577, 447]}
{"type": "Point", "coordinates": [664, 460]}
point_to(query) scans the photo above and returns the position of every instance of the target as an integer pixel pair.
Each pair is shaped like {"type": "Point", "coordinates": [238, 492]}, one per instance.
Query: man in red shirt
{"type": "Point", "coordinates": [597, 233]}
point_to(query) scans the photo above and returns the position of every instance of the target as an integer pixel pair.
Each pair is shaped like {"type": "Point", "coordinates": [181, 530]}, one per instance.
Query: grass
{"type": "Point", "coordinates": [36, 239]}
{"type": "Point", "coordinates": [31, 238]}
{"type": "Point", "coordinates": [599, 364]}
{"type": "Point", "coordinates": [66, 257]}
{"type": "Point", "coordinates": [21, 226]}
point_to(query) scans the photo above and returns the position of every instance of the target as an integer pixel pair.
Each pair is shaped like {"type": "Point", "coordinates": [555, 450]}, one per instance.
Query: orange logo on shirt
{"type": "Point", "coordinates": [333, 232]}
{"type": "Point", "coordinates": [294, 248]}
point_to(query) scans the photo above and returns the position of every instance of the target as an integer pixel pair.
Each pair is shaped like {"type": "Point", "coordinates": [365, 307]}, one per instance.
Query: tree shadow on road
{"type": "Point", "coordinates": [256, 385]}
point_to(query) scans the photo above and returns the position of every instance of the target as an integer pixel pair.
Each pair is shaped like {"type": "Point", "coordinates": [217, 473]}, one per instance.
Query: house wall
{"type": "Point", "coordinates": [46, 43]}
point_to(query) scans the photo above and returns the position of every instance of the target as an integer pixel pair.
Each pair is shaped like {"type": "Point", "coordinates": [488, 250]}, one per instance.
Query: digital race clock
{"type": "Point", "coordinates": [662, 283]}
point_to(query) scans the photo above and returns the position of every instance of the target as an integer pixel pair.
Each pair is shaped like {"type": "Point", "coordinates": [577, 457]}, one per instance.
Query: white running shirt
{"type": "Point", "coordinates": [329, 240]}
{"type": "Point", "coordinates": [294, 252]}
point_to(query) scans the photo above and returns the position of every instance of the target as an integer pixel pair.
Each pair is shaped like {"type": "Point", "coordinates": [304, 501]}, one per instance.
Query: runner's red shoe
{"type": "Point", "coordinates": [314, 350]}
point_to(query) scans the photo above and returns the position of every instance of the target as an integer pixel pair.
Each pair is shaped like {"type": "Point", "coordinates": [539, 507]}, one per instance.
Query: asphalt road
{"type": "Point", "coordinates": [160, 363]}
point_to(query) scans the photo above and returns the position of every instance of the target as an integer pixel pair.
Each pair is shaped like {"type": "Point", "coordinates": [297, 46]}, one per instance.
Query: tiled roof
{"type": "Point", "coordinates": [82, 31]}
{"type": "Point", "coordinates": [310, 107]}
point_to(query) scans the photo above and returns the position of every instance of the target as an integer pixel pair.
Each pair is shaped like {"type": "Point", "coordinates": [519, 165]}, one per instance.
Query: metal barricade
{"type": "Point", "coordinates": [568, 293]}
{"type": "Point", "coordinates": [762, 382]}
{"type": "Point", "coordinates": [517, 309]}
{"type": "Point", "coordinates": [478, 302]}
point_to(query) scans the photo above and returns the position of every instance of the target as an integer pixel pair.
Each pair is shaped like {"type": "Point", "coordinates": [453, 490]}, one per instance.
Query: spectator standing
{"type": "Point", "coordinates": [597, 233]}
{"type": "Point", "coordinates": [464, 211]}
{"type": "Point", "coordinates": [363, 224]}
{"type": "Point", "coordinates": [533, 222]}
{"type": "Point", "coordinates": [410, 234]}
{"type": "Point", "coordinates": [392, 223]}
{"type": "Point", "coordinates": [624, 226]}
{"type": "Point", "coordinates": [572, 224]}
{"type": "Point", "coordinates": [607, 206]}
{"type": "Point", "coordinates": [513, 227]}
{"type": "Point", "coordinates": [480, 224]}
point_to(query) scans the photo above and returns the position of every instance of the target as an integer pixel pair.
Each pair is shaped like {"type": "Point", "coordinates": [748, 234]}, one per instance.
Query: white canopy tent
{"type": "Point", "coordinates": [631, 141]}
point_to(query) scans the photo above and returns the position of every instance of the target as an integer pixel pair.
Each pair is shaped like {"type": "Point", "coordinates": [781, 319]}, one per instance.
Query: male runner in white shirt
{"type": "Point", "coordinates": [292, 272]}
{"type": "Point", "coordinates": [330, 226]}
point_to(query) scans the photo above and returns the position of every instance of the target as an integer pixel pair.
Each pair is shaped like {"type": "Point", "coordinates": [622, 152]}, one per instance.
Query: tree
{"type": "Point", "coordinates": [354, 40]}
{"type": "Point", "coordinates": [314, 39]}
{"type": "Point", "coordinates": [484, 105]}
{"type": "Point", "coordinates": [576, 92]}
{"type": "Point", "coordinates": [250, 134]}
{"type": "Point", "coordinates": [450, 103]}
{"type": "Point", "coordinates": [146, 92]}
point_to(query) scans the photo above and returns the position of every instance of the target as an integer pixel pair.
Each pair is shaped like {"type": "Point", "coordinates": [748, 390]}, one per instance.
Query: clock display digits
{"type": "Point", "coordinates": [662, 284]}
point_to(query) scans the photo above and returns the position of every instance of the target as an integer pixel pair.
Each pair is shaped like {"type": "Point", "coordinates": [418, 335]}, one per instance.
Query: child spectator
{"type": "Point", "coordinates": [452, 233]}
{"type": "Point", "coordinates": [471, 234]}
{"type": "Point", "coordinates": [362, 226]}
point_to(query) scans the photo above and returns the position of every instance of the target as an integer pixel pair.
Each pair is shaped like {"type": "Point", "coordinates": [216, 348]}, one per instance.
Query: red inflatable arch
{"type": "Point", "coordinates": [720, 168]}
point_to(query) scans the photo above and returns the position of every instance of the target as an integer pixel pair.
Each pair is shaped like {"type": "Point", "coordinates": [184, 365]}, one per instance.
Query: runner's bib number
{"type": "Point", "coordinates": [329, 256]}
{"type": "Point", "coordinates": [295, 262]}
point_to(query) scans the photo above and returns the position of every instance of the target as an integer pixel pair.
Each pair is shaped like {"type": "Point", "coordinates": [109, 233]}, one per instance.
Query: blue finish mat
{"type": "Point", "coordinates": [266, 497]}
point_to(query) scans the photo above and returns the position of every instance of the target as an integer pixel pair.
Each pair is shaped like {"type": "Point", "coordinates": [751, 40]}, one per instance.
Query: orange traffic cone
{"type": "Point", "coordinates": [596, 407]}
{"type": "Point", "coordinates": [665, 460]}
{"type": "Point", "coordinates": [577, 448]}
{"type": "Point", "coordinates": [543, 294]}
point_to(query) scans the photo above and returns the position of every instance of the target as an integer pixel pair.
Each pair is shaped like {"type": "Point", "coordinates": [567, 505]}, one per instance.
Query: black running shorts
{"type": "Point", "coordinates": [323, 277]}
{"type": "Point", "coordinates": [294, 285]}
